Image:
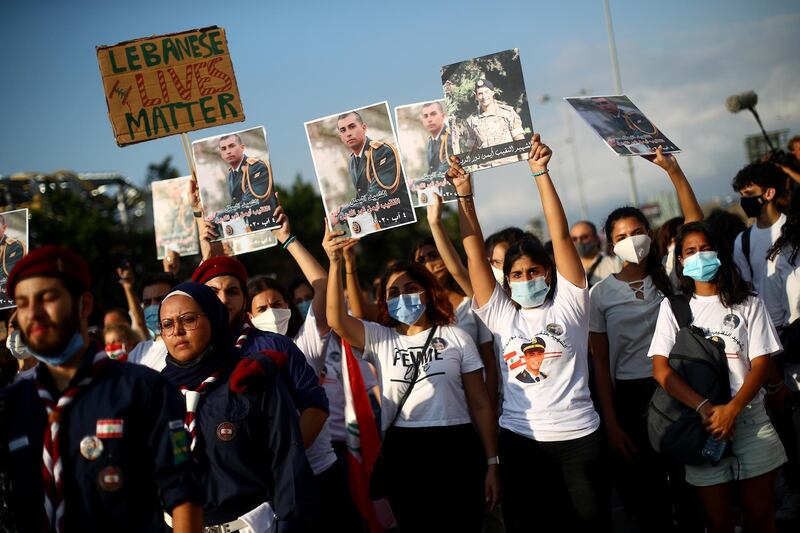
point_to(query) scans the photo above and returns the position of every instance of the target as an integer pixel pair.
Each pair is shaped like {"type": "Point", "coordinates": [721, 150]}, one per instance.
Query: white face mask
{"type": "Point", "coordinates": [274, 320]}
{"type": "Point", "coordinates": [498, 274]}
{"type": "Point", "coordinates": [633, 249]}
{"type": "Point", "coordinates": [15, 345]}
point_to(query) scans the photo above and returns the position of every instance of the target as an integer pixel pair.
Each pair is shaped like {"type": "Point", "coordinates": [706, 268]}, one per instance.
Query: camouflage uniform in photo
{"type": "Point", "coordinates": [497, 125]}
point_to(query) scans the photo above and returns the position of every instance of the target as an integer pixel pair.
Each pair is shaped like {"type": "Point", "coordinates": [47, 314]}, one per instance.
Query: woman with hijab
{"type": "Point", "coordinates": [241, 423]}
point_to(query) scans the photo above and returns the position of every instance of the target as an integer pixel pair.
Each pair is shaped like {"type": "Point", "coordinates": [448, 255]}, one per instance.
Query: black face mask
{"type": "Point", "coordinates": [751, 205]}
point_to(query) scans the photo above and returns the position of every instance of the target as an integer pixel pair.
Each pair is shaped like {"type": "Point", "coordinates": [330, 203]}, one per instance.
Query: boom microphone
{"type": "Point", "coordinates": [737, 102]}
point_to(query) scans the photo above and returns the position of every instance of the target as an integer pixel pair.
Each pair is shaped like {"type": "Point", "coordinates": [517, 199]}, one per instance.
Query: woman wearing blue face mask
{"type": "Point", "coordinates": [550, 445]}
{"type": "Point", "coordinates": [431, 443]}
{"type": "Point", "coordinates": [723, 306]}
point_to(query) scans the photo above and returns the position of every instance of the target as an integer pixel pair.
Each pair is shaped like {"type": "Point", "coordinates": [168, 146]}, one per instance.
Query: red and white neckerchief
{"type": "Point", "coordinates": [117, 352]}
{"type": "Point", "coordinates": [192, 401]}
{"type": "Point", "coordinates": [246, 329]}
{"type": "Point", "coordinates": [51, 458]}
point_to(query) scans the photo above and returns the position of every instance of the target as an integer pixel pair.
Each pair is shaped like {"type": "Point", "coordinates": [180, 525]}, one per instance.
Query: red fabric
{"type": "Point", "coordinates": [250, 372]}
{"type": "Point", "coordinates": [359, 472]}
{"type": "Point", "coordinates": [50, 261]}
{"type": "Point", "coordinates": [220, 266]}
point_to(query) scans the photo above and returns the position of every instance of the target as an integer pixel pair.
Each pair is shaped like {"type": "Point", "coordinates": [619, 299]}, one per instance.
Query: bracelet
{"type": "Point", "coordinates": [289, 241]}
{"type": "Point", "coordinates": [197, 214]}
{"type": "Point", "coordinates": [470, 195]}
{"type": "Point", "coordinates": [772, 389]}
{"type": "Point", "coordinates": [540, 173]}
{"type": "Point", "coordinates": [699, 405]}
{"type": "Point", "coordinates": [493, 460]}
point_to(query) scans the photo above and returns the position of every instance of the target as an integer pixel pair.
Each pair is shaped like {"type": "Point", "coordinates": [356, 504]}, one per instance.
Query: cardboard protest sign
{"type": "Point", "coordinates": [425, 150]}
{"type": "Point", "coordinates": [251, 242]}
{"type": "Point", "coordinates": [489, 119]}
{"type": "Point", "coordinates": [359, 170]}
{"type": "Point", "coordinates": [172, 216]}
{"type": "Point", "coordinates": [621, 125]}
{"type": "Point", "coordinates": [13, 246]}
{"type": "Point", "coordinates": [235, 179]}
{"type": "Point", "coordinates": [167, 84]}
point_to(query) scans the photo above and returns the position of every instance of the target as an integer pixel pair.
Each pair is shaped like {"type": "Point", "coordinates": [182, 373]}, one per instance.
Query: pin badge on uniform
{"type": "Point", "coordinates": [91, 447]}
{"type": "Point", "coordinates": [110, 478]}
{"type": "Point", "coordinates": [226, 431]}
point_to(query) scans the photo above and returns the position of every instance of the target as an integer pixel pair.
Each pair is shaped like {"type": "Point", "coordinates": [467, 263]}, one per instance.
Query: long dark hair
{"type": "Point", "coordinates": [439, 310]}
{"type": "Point", "coordinates": [790, 233]}
{"type": "Point", "coordinates": [260, 284]}
{"type": "Point", "coordinates": [733, 290]}
{"type": "Point", "coordinates": [654, 267]}
{"type": "Point", "coordinates": [533, 249]}
{"type": "Point", "coordinates": [450, 282]}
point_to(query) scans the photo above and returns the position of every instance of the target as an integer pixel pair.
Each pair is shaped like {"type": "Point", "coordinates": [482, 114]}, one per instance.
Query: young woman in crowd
{"type": "Point", "coordinates": [271, 307]}
{"type": "Point", "coordinates": [624, 308]}
{"type": "Point", "coordinates": [723, 305]}
{"type": "Point", "coordinates": [242, 425]}
{"type": "Point", "coordinates": [552, 466]}
{"type": "Point", "coordinates": [432, 447]}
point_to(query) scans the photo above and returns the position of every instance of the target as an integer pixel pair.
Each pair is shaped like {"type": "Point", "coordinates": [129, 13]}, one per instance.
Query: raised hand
{"type": "Point", "coordinates": [172, 262]}
{"type": "Point", "coordinates": [666, 161]}
{"type": "Point", "coordinates": [458, 177]}
{"type": "Point", "coordinates": [435, 209]}
{"type": "Point", "coordinates": [539, 155]}
{"type": "Point", "coordinates": [334, 243]}
{"type": "Point", "coordinates": [284, 231]}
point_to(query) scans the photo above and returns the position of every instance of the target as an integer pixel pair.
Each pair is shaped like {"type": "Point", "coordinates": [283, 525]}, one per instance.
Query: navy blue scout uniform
{"type": "Point", "coordinates": [378, 169]}
{"type": "Point", "coordinates": [11, 251]}
{"type": "Point", "coordinates": [124, 451]}
{"type": "Point", "coordinates": [439, 152]}
{"type": "Point", "coordinates": [252, 181]}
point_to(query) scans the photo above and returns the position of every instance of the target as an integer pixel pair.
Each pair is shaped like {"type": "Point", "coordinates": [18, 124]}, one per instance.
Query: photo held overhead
{"type": "Point", "coordinates": [13, 246]}
{"type": "Point", "coordinates": [163, 85]}
{"type": "Point", "coordinates": [173, 222]}
{"type": "Point", "coordinates": [621, 125]}
{"type": "Point", "coordinates": [487, 108]}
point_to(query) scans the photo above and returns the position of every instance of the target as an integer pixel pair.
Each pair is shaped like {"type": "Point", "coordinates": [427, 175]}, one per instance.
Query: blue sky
{"type": "Point", "coordinates": [297, 61]}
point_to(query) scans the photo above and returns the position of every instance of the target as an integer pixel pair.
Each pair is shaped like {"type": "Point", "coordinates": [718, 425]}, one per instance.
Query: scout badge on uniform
{"type": "Point", "coordinates": [621, 125]}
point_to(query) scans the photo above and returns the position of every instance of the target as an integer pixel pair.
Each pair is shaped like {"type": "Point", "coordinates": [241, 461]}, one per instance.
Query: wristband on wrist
{"type": "Point", "coordinates": [699, 405]}
{"type": "Point", "coordinates": [540, 173]}
{"type": "Point", "coordinates": [197, 214]}
{"type": "Point", "coordinates": [470, 195]}
{"type": "Point", "coordinates": [493, 460]}
{"type": "Point", "coordinates": [289, 241]}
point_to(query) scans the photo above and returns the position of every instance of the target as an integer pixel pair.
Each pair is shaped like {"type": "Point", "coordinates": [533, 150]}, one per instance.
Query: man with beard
{"type": "Point", "coordinates": [114, 453]}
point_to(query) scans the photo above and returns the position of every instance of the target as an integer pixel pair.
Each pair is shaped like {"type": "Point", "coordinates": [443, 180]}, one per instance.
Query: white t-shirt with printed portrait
{"type": "Point", "coordinates": [438, 397]}
{"type": "Point", "coordinates": [746, 330]}
{"type": "Point", "coordinates": [558, 407]}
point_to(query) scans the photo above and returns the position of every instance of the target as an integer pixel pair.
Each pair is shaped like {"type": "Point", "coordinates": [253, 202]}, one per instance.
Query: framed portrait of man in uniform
{"type": "Point", "coordinates": [172, 217]}
{"type": "Point", "coordinates": [424, 136]}
{"type": "Point", "coordinates": [13, 246]}
{"type": "Point", "coordinates": [487, 107]}
{"type": "Point", "coordinates": [621, 125]}
{"type": "Point", "coordinates": [234, 176]}
{"type": "Point", "coordinates": [360, 172]}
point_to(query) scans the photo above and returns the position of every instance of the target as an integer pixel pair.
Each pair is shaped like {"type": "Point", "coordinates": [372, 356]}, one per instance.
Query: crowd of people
{"type": "Point", "coordinates": [510, 388]}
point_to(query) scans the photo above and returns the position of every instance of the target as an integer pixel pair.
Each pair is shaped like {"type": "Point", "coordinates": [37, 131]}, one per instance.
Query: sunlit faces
{"type": "Point", "coordinates": [401, 283]}
{"type": "Point", "coordinates": [694, 242]}
{"type": "Point", "coordinates": [229, 291]}
{"type": "Point", "coordinates": [525, 269]}
{"type": "Point", "coordinates": [433, 118]}
{"type": "Point", "coordinates": [185, 329]}
{"type": "Point", "coordinates": [428, 256]}
{"type": "Point", "coordinates": [627, 227]}
{"type": "Point", "coordinates": [231, 150]}
{"type": "Point", "coordinates": [47, 314]}
{"type": "Point", "coordinates": [352, 131]}
{"type": "Point", "coordinates": [484, 96]}
{"type": "Point", "coordinates": [267, 299]}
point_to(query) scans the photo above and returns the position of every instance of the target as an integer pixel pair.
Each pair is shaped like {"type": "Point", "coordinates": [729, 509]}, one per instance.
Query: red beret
{"type": "Point", "coordinates": [55, 261]}
{"type": "Point", "coordinates": [220, 266]}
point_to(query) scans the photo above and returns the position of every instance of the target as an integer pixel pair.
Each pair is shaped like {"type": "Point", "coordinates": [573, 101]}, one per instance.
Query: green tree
{"type": "Point", "coordinates": [161, 171]}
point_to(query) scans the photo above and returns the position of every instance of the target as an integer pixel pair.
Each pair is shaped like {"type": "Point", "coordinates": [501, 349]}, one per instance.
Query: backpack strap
{"type": "Point", "coordinates": [680, 308]}
{"type": "Point", "coordinates": [746, 250]}
{"type": "Point", "coordinates": [592, 268]}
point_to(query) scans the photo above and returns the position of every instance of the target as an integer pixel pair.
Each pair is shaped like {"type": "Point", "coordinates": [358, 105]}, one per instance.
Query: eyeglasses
{"type": "Point", "coordinates": [187, 321]}
{"type": "Point", "coordinates": [430, 256]}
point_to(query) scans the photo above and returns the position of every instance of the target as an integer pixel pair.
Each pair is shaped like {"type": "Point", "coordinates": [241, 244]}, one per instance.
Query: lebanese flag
{"type": "Point", "coordinates": [514, 360]}
{"type": "Point", "coordinates": [363, 442]}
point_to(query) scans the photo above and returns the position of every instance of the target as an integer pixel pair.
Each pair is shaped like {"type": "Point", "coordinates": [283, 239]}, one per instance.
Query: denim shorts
{"type": "Point", "coordinates": [756, 450]}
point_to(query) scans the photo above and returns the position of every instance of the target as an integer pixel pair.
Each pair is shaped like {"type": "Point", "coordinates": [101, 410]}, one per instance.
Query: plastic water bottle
{"type": "Point", "coordinates": [713, 449]}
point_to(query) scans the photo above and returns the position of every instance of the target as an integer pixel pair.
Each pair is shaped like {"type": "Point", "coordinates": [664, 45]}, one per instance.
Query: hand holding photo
{"type": "Point", "coordinates": [172, 217]}
{"type": "Point", "coordinates": [13, 246]}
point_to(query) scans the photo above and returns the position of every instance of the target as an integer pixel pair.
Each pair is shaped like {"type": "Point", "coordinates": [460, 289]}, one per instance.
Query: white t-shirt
{"type": "Point", "coordinates": [746, 329]}
{"type": "Point", "coordinates": [608, 265]}
{"type": "Point", "coordinates": [786, 285]}
{"type": "Point", "coordinates": [150, 353]}
{"type": "Point", "coordinates": [471, 324]}
{"type": "Point", "coordinates": [438, 397]}
{"type": "Point", "coordinates": [557, 407]}
{"type": "Point", "coordinates": [331, 380]}
{"type": "Point", "coordinates": [629, 323]}
{"type": "Point", "coordinates": [761, 240]}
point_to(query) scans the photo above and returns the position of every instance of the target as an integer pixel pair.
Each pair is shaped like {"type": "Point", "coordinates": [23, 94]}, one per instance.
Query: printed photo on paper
{"type": "Point", "coordinates": [424, 136]}
{"type": "Point", "coordinates": [172, 217]}
{"type": "Point", "coordinates": [235, 179]}
{"type": "Point", "coordinates": [621, 124]}
{"type": "Point", "coordinates": [487, 107]}
{"type": "Point", "coordinates": [359, 170]}
{"type": "Point", "coordinates": [13, 246]}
